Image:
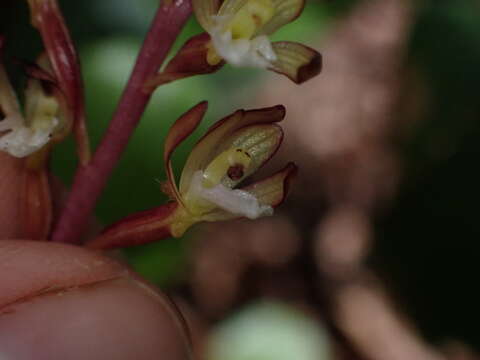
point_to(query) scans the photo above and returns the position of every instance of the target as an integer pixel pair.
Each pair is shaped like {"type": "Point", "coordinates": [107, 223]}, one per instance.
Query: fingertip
{"type": "Point", "coordinates": [115, 319]}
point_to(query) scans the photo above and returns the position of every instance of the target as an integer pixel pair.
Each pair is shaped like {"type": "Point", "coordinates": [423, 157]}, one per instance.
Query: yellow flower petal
{"type": "Point", "coordinates": [285, 12]}
{"type": "Point", "coordinates": [231, 7]}
{"type": "Point", "coordinates": [260, 142]}
{"type": "Point", "coordinates": [273, 190]}
{"type": "Point", "coordinates": [209, 145]}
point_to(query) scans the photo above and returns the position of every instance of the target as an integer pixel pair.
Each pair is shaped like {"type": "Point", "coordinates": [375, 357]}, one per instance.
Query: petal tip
{"type": "Point", "coordinates": [290, 172]}
{"type": "Point", "coordinates": [311, 69]}
{"type": "Point", "coordinates": [281, 109]}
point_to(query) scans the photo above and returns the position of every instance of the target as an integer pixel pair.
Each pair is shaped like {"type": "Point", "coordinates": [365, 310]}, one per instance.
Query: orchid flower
{"type": "Point", "coordinates": [24, 138]}
{"type": "Point", "coordinates": [210, 187]}
{"type": "Point", "coordinates": [237, 33]}
{"type": "Point", "coordinates": [25, 134]}
{"type": "Point", "coordinates": [54, 103]}
{"type": "Point", "coordinates": [53, 107]}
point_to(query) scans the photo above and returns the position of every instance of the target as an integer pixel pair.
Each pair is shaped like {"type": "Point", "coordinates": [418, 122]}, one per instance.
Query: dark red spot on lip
{"type": "Point", "coordinates": [235, 172]}
{"type": "Point", "coordinates": [257, 20]}
{"type": "Point", "coordinates": [243, 151]}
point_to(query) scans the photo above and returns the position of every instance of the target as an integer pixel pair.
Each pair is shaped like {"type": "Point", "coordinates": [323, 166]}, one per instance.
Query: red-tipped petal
{"type": "Point", "coordinates": [271, 191]}
{"type": "Point", "coordinates": [47, 18]}
{"type": "Point", "coordinates": [180, 130]}
{"type": "Point", "coordinates": [296, 61]}
{"type": "Point", "coordinates": [190, 60]}
{"type": "Point", "coordinates": [140, 228]}
{"type": "Point", "coordinates": [210, 143]}
{"type": "Point", "coordinates": [274, 189]}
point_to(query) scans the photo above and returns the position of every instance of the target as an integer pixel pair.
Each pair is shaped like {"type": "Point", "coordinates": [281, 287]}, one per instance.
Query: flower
{"type": "Point", "coordinates": [54, 103]}
{"type": "Point", "coordinates": [239, 31]}
{"type": "Point", "coordinates": [23, 169]}
{"type": "Point", "coordinates": [210, 187]}
{"type": "Point", "coordinates": [231, 151]}
{"type": "Point", "coordinates": [64, 67]}
{"type": "Point", "coordinates": [24, 135]}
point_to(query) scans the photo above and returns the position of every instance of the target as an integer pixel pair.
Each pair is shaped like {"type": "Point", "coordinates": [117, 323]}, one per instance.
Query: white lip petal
{"type": "Point", "coordinates": [22, 141]}
{"type": "Point", "coordinates": [237, 202]}
{"type": "Point", "coordinates": [257, 52]}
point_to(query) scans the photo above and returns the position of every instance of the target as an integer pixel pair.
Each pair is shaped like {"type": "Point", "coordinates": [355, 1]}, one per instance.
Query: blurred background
{"type": "Point", "coordinates": [375, 253]}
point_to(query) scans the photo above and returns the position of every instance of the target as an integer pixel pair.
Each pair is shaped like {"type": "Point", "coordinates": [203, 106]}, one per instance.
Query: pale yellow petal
{"type": "Point", "coordinates": [204, 11]}
{"type": "Point", "coordinates": [285, 12]}
{"type": "Point", "coordinates": [231, 7]}
{"type": "Point", "coordinates": [296, 61]}
{"type": "Point", "coordinates": [211, 143]}
{"type": "Point", "coordinates": [273, 190]}
{"type": "Point", "coordinates": [260, 142]}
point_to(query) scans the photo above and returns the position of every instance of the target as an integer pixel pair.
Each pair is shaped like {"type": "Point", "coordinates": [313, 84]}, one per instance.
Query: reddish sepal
{"type": "Point", "coordinates": [140, 228]}
{"type": "Point", "coordinates": [190, 60]}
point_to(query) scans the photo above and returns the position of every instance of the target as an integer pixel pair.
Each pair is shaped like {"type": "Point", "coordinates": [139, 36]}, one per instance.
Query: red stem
{"type": "Point", "coordinates": [90, 180]}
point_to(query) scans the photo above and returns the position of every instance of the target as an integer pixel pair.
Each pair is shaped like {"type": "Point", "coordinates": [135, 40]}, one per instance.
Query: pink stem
{"type": "Point", "coordinates": [90, 180]}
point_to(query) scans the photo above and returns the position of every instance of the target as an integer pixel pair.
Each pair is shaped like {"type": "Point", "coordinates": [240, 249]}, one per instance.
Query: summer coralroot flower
{"type": "Point", "coordinates": [54, 103]}
{"type": "Point", "coordinates": [231, 151]}
{"type": "Point", "coordinates": [25, 139]}
{"type": "Point", "coordinates": [53, 106]}
{"type": "Point", "coordinates": [25, 134]}
{"type": "Point", "coordinates": [237, 33]}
